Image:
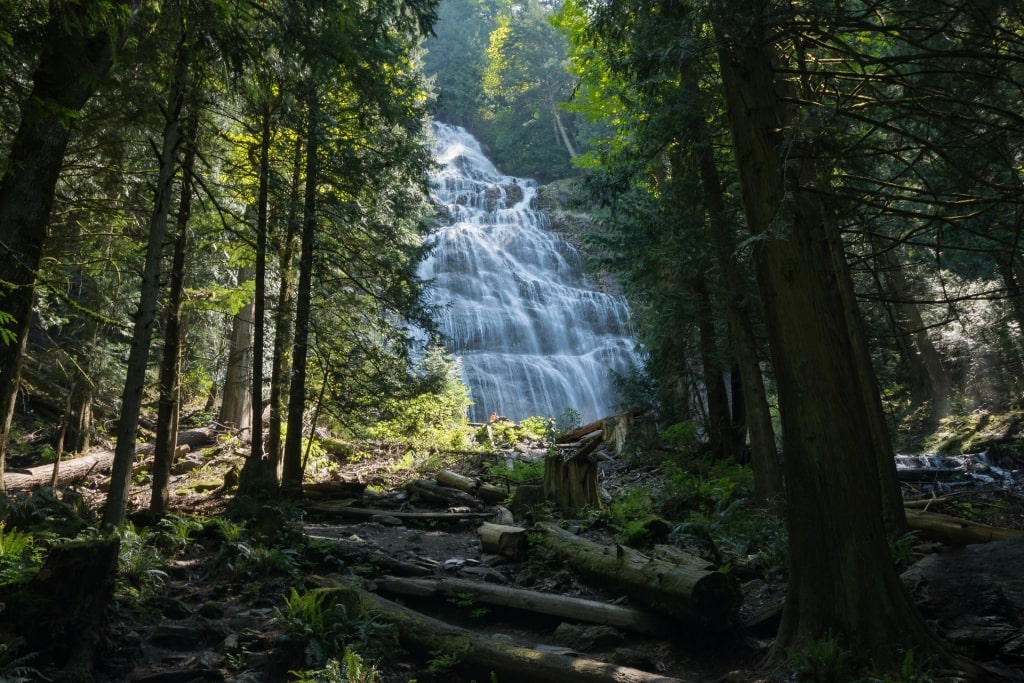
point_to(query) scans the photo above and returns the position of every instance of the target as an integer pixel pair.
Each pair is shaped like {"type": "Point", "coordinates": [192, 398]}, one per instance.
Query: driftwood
{"type": "Point", "coordinates": [486, 492]}
{"type": "Point", "coordinates": [346, 509]}
{"type": "Point", "coordinates": [707, 599]}
{"type": "Point", "coordinates": [933, 526]}
{"type": "Point", "coordinates": [577, 609]}
{"type": "Point", "coordinates": [428, 490]}
{"type": "Point", "coordinates": [504, 540]}
{"type": "Point", "coordinates": [481, 655]}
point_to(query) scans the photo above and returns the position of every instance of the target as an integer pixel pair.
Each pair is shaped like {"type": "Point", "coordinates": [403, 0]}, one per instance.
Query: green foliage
{"type": "Point", "coordinates": [682, 436]}
{"type": "Point", "coordinates": [175, 531]}
{"type": "Point", "coordinates": [350, 669]}
{"type": "Point", "coordinates": [717, 517]}
{"type": "Point", "coordinates": [15, 669]}
{"type": "Point", "coordinates": [7, 335]}
{"type": "Point", "coordinates": [823, 661]}
{"type": "Point", "coordinates": [141, 567]}
{"type": "Point", "coordinates": [61, 511]}
{"type": "Point", "coordinates": [911, 670]}
{"type": "Point", "coordinates": [521, 472]}
{"type": "Point", "coordinates": [568, 421]}
{"type": "Point", "coordinates": [18, 554]}
{"type": "Point", "coordinates": [433, 416]}
{"type": "Point", "coordinates": [629, 514]}
{"type": "Point", "coordinates": [442, 661]}
{"type": "Point", "coordinates": [323, 623]}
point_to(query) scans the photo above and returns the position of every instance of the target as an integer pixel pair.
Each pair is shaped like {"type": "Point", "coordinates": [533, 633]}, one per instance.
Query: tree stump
{"type": "Point", "coordinates": [571, 483]}
{"type": "Point", "coordinates": [61, 611]}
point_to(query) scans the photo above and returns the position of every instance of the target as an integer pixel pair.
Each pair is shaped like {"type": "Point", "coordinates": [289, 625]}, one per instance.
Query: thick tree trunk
{"type": "Point", "coordinates": [77, 54]}
{"type": "Point", "coordinates": [170, 364]}
{"type": "Point", "coordinates": [571, 482]}
{"type": "Point", "coordinates": [145, 316]}
{"type": "Point", "coordinates": [291, 476]}
{"type": "Point", "coordinates": [698, 597]}
{"type": "Point", "coordinates": [842, 582]}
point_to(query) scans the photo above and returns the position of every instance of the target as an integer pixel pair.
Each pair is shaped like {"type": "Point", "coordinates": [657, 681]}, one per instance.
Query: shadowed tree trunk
{"type": "Point", "coordinates": [76, 55]}
{"type": "Point", "coordinates": [170, 365]}
{"type": "Point", "coordinates": [291, 476]}
{"type": "Point", "coordinates": [145, 316]}
{"type": "Point", "coordinates": [842, 582]}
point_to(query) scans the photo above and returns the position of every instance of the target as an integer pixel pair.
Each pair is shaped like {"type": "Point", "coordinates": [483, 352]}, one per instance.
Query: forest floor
{"type": "Point", "coordinates": [202, 624]}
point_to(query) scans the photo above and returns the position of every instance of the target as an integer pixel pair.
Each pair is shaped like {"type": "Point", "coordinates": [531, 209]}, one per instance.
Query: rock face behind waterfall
{"type": "Point", "coordinates": [533, 335]}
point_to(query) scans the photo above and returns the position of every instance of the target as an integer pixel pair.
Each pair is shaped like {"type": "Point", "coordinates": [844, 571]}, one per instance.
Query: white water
{"type": "Point", "coordinates": [533, 336]}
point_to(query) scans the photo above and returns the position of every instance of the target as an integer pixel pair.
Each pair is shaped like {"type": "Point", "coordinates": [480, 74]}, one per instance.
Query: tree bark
{"type": "Point", "coordinates": [283, 319]}
{"type": "Point", "coordinates": [145, 316]}
{"type": "Point", "coordinates": [842, 583]}
{"type": "Point", "coordinates": [170, 365]}
{"type": "Point", "coordinates": [236, 403]}
{"type": "Point", "coordinates": [705, 599]}
{"type": "Point", "coordinates": [571, 483]}
{"type": "Point", "coordinates": [765, 461]}
{"type": "Point", "coordinates": [934, 526]}
{"type": "Point", "coordinates": [76, 56]}
{"type": "Point", "coordinates": [719, 418]}
{"type": "Point", "coordinates": [291, 476]}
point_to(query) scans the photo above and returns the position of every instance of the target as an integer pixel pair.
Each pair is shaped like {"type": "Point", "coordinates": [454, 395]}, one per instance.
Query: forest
{"type": "Point", "coordinates": [231, 426]}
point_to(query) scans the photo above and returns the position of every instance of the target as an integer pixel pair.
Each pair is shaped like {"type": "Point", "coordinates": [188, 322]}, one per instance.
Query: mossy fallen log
{"type": "Point", "coordinates": [481, 655]}
{"type": "Point", "coordinates": [934, 526]}
{"type": "Point", "coordinates": [697, 597]}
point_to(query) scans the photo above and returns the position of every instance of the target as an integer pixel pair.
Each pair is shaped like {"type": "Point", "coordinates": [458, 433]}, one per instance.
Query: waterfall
{"type": "Point", "coordinates": [533, 335]}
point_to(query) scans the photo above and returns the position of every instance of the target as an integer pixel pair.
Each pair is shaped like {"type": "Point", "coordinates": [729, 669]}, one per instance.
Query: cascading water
{"type": "Point", "coordinates": [533, 336]}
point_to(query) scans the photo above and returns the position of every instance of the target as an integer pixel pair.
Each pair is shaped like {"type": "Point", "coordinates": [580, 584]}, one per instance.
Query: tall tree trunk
{"type": "Point", "coordinates": [283, 316]}
{"type": "Point", "coordinates": [929, 379]}
{"type": "Point", "coordinates": [145, 316]}
{"type": "Point", "coordinates": [719, 419]}
{"type": "Point", "coordinates": [236, 406]}
{"type": "Point", "coordinates": [842, 582]}
{"type": "Point", "coordinates": [170, 364]}
{"type": "Point", "coordinates": [764, 461]}
{"type": "Point", "coordinates": [291, 476]}
{"type": "Point", "coordinates": [259, 474]}
{"type": "Point", "coordinates": [76, 56]}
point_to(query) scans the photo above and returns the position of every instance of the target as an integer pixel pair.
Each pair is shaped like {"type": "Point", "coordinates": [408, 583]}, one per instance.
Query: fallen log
{"type": "Point", "coordinates": [334, 489]}
{"type": "Point", "coordinates": [428, 490]}
{"type": "Point", "coordinates": [486, 492]}
{"type": "Point", "coordinates": [345, 509]}
{"type": "Point", "coordinates": [934, 526]}
{"type": "Point", "coordinates": [501, 539]}
{"type": "Point", "coordinates": [580, 432]}
{"type": "Point", "coordinates": [577, 609]}
{"type": "Point", "coordinates": [701, 598]}
{"type": "Point", "coordinates": [483, 656]}
{"type": "Point", "coordinates": [76, 469]}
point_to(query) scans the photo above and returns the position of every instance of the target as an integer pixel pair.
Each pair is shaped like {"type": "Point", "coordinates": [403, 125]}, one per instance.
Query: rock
{"type": "Point", "coordinates": [976, 596]}
{"type": "Point", "coordinates": [182, 638]}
